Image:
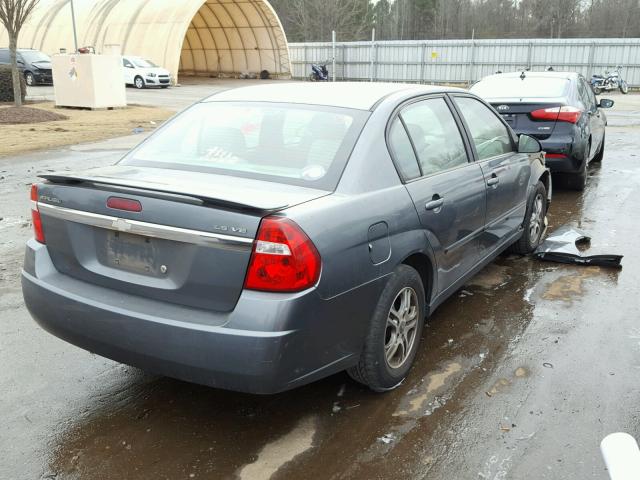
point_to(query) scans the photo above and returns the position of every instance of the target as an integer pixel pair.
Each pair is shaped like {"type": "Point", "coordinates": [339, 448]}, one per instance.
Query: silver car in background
{"type": "Point", "coordinates": [272, 235]}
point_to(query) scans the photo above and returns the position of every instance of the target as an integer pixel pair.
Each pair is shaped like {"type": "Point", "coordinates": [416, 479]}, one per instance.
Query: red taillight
{"type": "Point", "coordinates": [559, 114]}
{"type": "Point", "coordinates": [126, 204]}
{"type": "Point", "coordinates": [555, 155]}
{"type": "Point", "coordinates": [35, 215]}
{"type": "Point", "coordinates": [284, 259]}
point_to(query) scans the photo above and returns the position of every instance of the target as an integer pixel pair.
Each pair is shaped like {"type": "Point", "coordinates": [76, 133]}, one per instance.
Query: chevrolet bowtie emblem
{"type": "Point", "coordinates": [121, 225]}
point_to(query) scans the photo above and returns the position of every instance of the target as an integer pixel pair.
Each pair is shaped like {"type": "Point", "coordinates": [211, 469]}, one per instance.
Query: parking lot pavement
{"type": "Point", "coordinates": [519, 376]}
{"type": "Point", "coordinates": [191, 90]}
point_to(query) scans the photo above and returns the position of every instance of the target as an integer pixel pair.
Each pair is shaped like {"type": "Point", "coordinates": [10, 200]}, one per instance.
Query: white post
{"type": "Point", "coordinates": [73, 21]}
{"type": "Point", "coordinates": [621, 456]}
{"type": "Point", "coordinates": [372, 54]}
{"type": "Point", "coordinates": [473, 58]}
{"type": "Point", "coordinates": [333, 59]}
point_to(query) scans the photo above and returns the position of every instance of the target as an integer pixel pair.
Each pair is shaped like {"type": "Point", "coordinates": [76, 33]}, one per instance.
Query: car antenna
{"type": "Point", "coordinates": [522, 75]}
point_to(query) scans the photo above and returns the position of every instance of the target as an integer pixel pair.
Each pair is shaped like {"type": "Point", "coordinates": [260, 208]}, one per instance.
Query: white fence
{"type": "Point", "coordinates": [465, 61]}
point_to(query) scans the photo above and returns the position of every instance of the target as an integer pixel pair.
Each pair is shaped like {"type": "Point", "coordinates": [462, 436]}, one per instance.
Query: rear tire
{"type": "Point", "coordinates": [394, 333]}
{"type": "Point", "coordinates": [600, 154]}
{"type": "Point", "coordinates": [534, 219]}
{"type": "Point", "coordinates": [578, 181]}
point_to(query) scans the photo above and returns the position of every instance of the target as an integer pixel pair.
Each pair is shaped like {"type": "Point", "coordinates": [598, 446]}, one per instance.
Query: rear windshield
{"type": "Point", "coordinates": [285, 143]}
{"type": "Point", "coordinates": [507, 87]}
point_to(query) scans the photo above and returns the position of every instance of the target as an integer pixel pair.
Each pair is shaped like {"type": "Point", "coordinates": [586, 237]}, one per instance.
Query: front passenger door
{"type": "Point", "coordinates": [506, 172]}
{"type": "Point", "coordinates": [447, 190]}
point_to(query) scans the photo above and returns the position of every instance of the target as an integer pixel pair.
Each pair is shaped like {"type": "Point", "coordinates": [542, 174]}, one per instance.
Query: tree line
{"type": "Point", "coordinates": [314, 20]}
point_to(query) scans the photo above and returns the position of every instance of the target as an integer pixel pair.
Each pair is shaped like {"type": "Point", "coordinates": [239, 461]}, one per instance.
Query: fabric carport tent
{"type": "Point", "coordinates": [194, 37]}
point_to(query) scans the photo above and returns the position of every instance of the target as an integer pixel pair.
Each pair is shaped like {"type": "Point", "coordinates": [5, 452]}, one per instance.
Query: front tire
{"type": "Point", "coordinates": [138, 82]}
{"type": "Point", "coordinates": [29, 79]}
{"type": "Point", "coordinates": [394, 334]}
{"type": "Point", "coordinates": [624, 88]}
{"type": "Point", "coordinates": [313, 77]}
{"type": "Point", "coordinates": [597, 90]}
{"type": "Point", "coordinates": [534, 222]}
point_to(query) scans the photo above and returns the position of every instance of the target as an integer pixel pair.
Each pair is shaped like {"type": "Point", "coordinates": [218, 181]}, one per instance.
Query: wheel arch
{"type": "Point", "coordinates": [545, 178]}
{"type": "Point", "coordinates": [425, 268]}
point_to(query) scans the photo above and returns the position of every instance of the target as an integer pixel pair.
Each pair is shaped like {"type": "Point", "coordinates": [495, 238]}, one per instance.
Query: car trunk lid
{"type": "Point", "coordinates": [189, 243]}
{"type": "Point", "coordinates": [517, 113]}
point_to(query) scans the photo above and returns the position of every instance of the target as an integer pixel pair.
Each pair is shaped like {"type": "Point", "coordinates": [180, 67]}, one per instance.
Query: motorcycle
{"type": "Point", "coordinates": [319, 72]}
{"type": "Point", "coordinates": [610, 81]}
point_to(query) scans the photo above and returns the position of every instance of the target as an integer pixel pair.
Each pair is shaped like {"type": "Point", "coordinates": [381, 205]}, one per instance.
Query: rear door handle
{"type": "Point", "coordinates": [493, 181]}
{"type": "Point", "coordinates": [435, 203]}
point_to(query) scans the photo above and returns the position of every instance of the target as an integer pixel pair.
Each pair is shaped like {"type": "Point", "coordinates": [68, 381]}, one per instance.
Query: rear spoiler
{"type": "Point", "coordinates": [157, 191]}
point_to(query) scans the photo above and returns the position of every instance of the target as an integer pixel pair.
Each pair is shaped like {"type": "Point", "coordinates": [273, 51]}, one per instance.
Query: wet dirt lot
{"type": "Point", "coordinates": [519, 376]}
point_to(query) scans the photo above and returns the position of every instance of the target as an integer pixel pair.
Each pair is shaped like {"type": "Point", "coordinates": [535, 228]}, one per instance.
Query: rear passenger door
{"type": "Point", "coordinates": [506, 172]}
{"type": "Point", "coordinates": [448, 191]}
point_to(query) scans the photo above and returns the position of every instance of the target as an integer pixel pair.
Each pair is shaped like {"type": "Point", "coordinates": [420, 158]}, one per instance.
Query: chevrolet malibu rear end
{"type": "Point", "coordinates": [175, 260]}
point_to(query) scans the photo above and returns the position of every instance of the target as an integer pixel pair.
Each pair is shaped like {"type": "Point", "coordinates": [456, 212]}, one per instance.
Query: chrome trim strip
{"type": "Point", "coordinates": [146, 229]}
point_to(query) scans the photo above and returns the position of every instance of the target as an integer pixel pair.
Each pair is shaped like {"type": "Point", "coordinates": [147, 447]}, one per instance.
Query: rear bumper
{"type": "Point", "coordinates": [269, 343]}
{"type": "Point", "coordinates": [572, 154]}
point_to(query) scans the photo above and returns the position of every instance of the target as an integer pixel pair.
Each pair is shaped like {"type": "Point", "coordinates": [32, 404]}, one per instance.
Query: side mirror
{"type": "Point", "coordinates": [606, 103]}
{"type": "Point", "coordinates": [528, 144]}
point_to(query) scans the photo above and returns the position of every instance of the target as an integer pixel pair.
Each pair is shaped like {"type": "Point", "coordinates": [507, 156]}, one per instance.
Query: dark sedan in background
{"type": "Point", "coordinates": [34, 65]}
{"type": "Point", "coordinates": [272, 235]}
{"type": "Point", "coordinates": [557, 108]}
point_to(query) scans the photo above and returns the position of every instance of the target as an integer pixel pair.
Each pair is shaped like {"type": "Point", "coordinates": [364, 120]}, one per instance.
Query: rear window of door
{"type": "Point", "coordinates": [435, 136]}
{"type": "Point", "coordinates": [402, 151]}
{"type": "Point", "coordinates": [4, 56]}
{"type": "Point", "coordinates": [490, 136]}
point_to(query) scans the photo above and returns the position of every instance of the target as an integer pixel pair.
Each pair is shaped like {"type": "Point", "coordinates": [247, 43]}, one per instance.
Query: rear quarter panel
{"type": "Point", "coordinates": [369, 192]}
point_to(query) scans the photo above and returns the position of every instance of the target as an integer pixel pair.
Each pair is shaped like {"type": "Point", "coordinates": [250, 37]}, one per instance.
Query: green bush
{"type": "Point", "coordinates": [6, 85]}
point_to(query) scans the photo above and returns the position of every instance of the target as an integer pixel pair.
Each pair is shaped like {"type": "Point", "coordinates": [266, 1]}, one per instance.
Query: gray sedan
{"type": "Point", "coordinates": [272, 235]}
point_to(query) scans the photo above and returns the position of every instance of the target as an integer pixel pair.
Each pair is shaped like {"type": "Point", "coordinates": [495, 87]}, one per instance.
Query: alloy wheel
{"type": "Point", "coordinates": [402, 323]}
{"type": "Point", "coordinates": [536, 221]}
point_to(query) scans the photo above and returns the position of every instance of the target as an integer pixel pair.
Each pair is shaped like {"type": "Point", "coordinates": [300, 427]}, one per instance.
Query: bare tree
{"type": "Point", "coordinates": [13, 15]}
{"type": "Point", "coordinates": [313, 20]}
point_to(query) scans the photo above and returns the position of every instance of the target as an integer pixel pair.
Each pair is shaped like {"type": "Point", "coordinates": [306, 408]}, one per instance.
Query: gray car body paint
{"type": "Point", "coordinates": [196, 322]}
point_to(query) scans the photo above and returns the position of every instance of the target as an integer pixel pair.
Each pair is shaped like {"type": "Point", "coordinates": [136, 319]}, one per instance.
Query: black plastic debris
{"type": "Point", "coordinates": [562, 247]}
